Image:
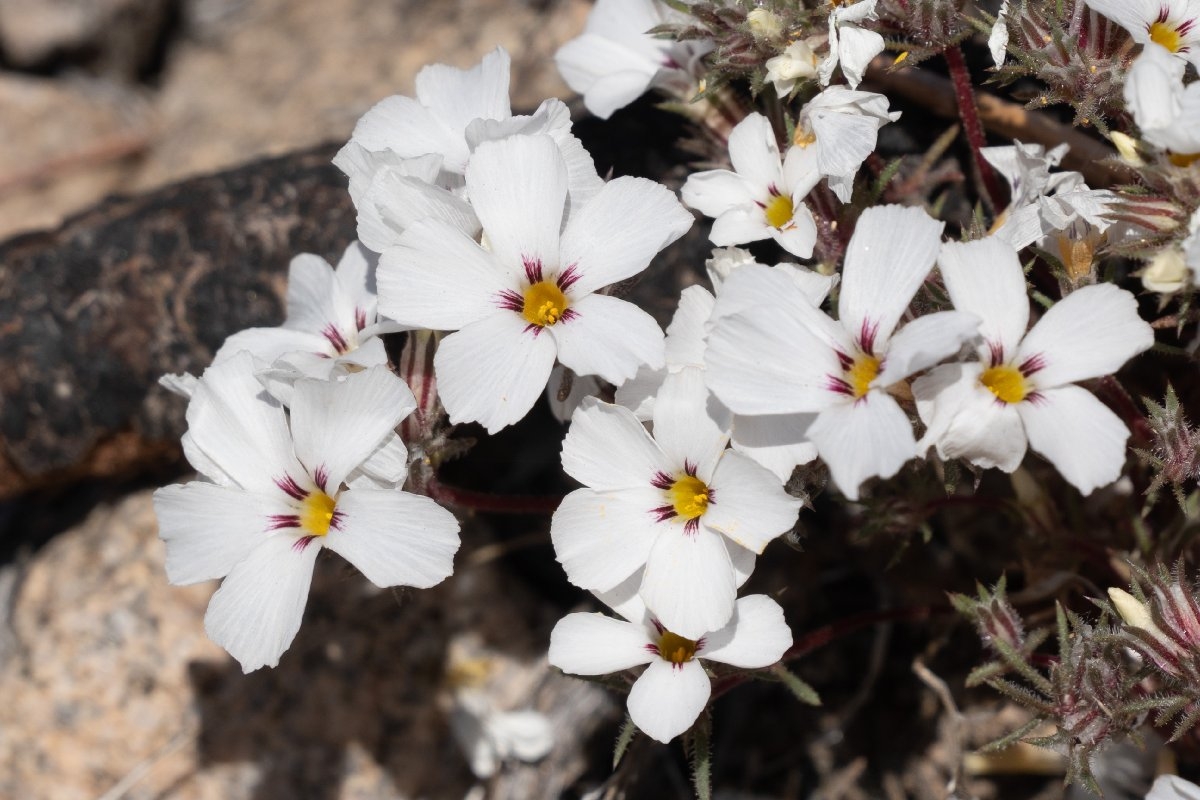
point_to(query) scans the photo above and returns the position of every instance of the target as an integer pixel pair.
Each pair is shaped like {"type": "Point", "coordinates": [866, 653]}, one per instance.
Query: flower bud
{"type": "Point", "coordinates": [1167, 272]}
{"type": "Point", "coordinates": [765, 25]}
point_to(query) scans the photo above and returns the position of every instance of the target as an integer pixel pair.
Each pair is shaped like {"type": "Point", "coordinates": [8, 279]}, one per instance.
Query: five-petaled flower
{"type": "Point", "coordinates": [669, 695]}
{"type": "Point", "coordinates": [279, 488]}
{"type": "Point", "coordinates": [1171, 24]}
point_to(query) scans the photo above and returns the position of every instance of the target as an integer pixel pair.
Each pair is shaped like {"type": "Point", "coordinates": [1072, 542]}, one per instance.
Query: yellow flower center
{"type": "Point", "coordinates": [316, 513]}
{"type": "Point", "coordinates": [689, 496]}
{"type": "Point", "coordinates": [861, 373]}
{"type": "Point", "coordinates": [675, 648]}
{"type": "Point", "coordinates": [779, 211]}
{"type": "Point", "coordinates": [1007, 383]}
{"type": "Point", "coordinates": [545, 303]}
{"type": "Point", "coordinates": [1166, 35]}
{"type": "Point", "coordinates": [1183, 159]}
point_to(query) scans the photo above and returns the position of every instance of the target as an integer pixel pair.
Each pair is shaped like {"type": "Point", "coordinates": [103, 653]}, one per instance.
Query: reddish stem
{"type": "Point", "coordinates": [492, 503]}
{"type": "Point", "coordinates": [964, 95]}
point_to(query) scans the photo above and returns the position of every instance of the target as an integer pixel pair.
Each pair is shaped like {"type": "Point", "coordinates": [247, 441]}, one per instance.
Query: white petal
{"type": "Point", "coordinates": [756, 637]}
{"type": "Point", "coordinates": [666, 700]}
{"type": "Point", "coordinates": [716, 191]}
{"type": "Point", "coordinates": [690, 425]}
{"type": "Point", "coordinates": [1153, 87]}
{"type": "Point", "coordinates": [609, 74]}
{"type": "Point", "coordinates": [338, 424]}
{"type": "Point", "coordinates": [395, 202]}
{"type": "Point", "coordinates": [689, 585]}
{"type": "Point", "coordinates": [493, 371]}
{"type": "Point", "coordinates": [407, 128]}
{"type": "Point", "coordinates": [601, 538]}
{"type": "Point", "coordinates": [314, 298]}
{"type": "Point", "coordinates": [1089, 333]}
{"type": "Point", "coordinates": [269, 344]}
{"type": "Point", "coordinates": [739, 225]}
{"type": "Point", "coordinates": [608, 448]}
{"type": "Point", "coordinates": [458, 96]}
{"type": "Point", "coordinates": [890, 253]}
{"type": "Point", "coordinates": [619, 231]}
{"type": "Point", "coordinates": [985, 278]}
{"type": "Point", "coordinates": [593, 644]}
{"type": "Point", "coordinates": [608, 337]}
{"type": "Point", "coordinates": [998, 39]}
{"type": "Point", "coordinates": [637, 393]}
{"type": "Point", "coordinates": [240, 428]}
{"type": "Point", "coordinates": [686, 334]}
{"type": "Point", "coordinates": [778, 442]}
{"type": "Point", "coordinates": [865, 439]}
{"type": "Point", "coordinates": [257, 611]}
{"type": "Point", "coordinates": [1134, 16]}
{"type": "Point", "coordinates": [439, 278]}
{"type": "Point", "coordinates": [748, 505]}
{"type": "Point", "coordinates": [856, 48]}
{"type": "Point", "coordinates": [394, 538]}
{"type": "Point", "coordinates": [743, 560]}
{"type": "Point", "coordinates": [518, 188]}
{"type": "Point", "coordinates": [624, 599]}
{"type": "Point", "coordinates": [774, 353]}
{"type": "Point", "coordinates": [208, 529]}
{"type": "Point", "coordinates": [1076, 433]}
{"type": "Point", "coordinates": [1173, 787]}
{"type": "Point", "coordinates": [967, 421]}
{"type": "Point", "coordinates": [800, 237]}
{"type": "Point", "coordinates": [754, 152]}
{"type": "Point", "coordinates": [924, 342]}
{"type": "Point", "coordinates": [387, 464]}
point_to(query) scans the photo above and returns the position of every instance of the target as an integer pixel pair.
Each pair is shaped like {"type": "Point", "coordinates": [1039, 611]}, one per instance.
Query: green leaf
{"type": "Point", "coordinates": [801, 690]}
{"type": "Point", "coordinates": [624, 738]}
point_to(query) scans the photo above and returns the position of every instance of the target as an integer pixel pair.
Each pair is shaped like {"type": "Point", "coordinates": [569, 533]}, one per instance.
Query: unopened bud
{"type": "Point", "coordinates": [765, 25]}
{"type": "Point", "coordinates": [1127, 148]}
{"type": "Point", "coordinates": [1133, 612]}
{"type": "Point", "coordinates": [1167, 272]}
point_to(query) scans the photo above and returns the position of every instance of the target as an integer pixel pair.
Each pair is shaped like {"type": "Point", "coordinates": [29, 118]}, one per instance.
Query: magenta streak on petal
{"type": "Point", "coordinates": [995, 354]}
{"type": "Point", "coordinates": [658, 626]}
{"type": "Point", "coordinates": [662, 480]}
{"type": "Point", "coordinates": [669, 62]}
{"type": "Point", "coordinates": [1032, 364]}
{"type": "Point", "coordinates": [568, 277]}
{"type": "Point", "coordinates": [335, 521]}
{"type": "Point", "coordinates": [838, 385]}
{"type": "Point", "coordinates": [536, 330]}
{"type": "Point", "coordinates": [282, 521]}
{"type": "Point", "coordinates": [360, 318]}
{"type": "Point", "coordinates": [866, 336]}
{"type": "Point", "coordinates": [664, 513]}
{"type": "Point", "coordinates": [288, 484]}
{"type": "Point", "coordinates": [300, 544]}
{"type": "Point", "coordinates": [335, 338]}
{"type": "Point", "coordinates": [533, 268]}
{"type": "Point", "coordinates": [1037, 398]}
{"type": "Point", "coordinates": [689, 468]}
{"type": "Point", "coordinates": [691, 526]}
{"type": "Point", "coordinates": [700, 645]}
{"type": "Point", "coordinates": [568, 314]}
{"type": "Point", "coordinates": [321, 477]}
{"type": "Point", "coordinates": [510, 300]}
{"type": "Point", "coordinates": [845, 361]}
{"type": "Point", "coordinates": [652, 648]}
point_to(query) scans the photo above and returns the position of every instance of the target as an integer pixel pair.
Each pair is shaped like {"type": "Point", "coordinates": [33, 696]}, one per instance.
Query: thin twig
{"type": "Point", "coordinates": [940, 688]}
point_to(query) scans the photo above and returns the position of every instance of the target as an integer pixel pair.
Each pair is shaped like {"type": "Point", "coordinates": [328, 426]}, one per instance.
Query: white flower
{"type": "Point", "coordinates": [849, 45]}
{"type": "Point", "coordinates": [775, 353]}
{"type": "Point", "coordinates": [1021, 393]}
{"type": "Point", "coordinates": [1173, 787]}
{"type": "Point", "coordinates": [1166, 112]}
{"type": "Point", "coordinates": [762, 197]}
{"type": "Point", "coordinates": [796, 63]}
{"type": "Point", "coordinates": [777, 441]}
{"type": "Point", "coordinates": [1191, 247]}
{"type": "Point", "coordinates": [489, 737]}
{"type": "Point", "coordinates": [998, 38]}
{"type": "Point", "coordinates": [1044, 203]}
{"type": "Point", "coordinates": [284, 487]}
{"type": "Point", "coordinates": [533, 296]}
{"type": "Point", "coordinates": [670, 694]}
{"type": "Point", "coordinates": [836, 132]}
{"type": "Point", "coordinates": [679, 504]}
{"type": "Point", "coordinates": [406, 157]}
{"type": "Point", "coordinates": [616, 59]}
{"type": "Point", "coordinates": [1172, 24]}
{"type": "Point", "coordinates": [332, 324]}
{"type": "Point", "coordinates": [1167, 272]}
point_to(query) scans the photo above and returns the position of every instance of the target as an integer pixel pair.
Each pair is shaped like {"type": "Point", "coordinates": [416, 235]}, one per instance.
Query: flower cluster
{"type": "Point", "coordinates": [490, 246]}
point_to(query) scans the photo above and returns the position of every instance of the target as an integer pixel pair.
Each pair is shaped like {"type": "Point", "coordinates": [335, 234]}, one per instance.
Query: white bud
{"type": "Point", "coordinates": [765, 25]}
{"type": "Point", "coordinates": [1167, 272]}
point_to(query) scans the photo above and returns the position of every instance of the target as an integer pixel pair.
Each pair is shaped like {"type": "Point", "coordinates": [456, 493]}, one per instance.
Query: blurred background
{"type": "Point", "coordinates": [104, 96]}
